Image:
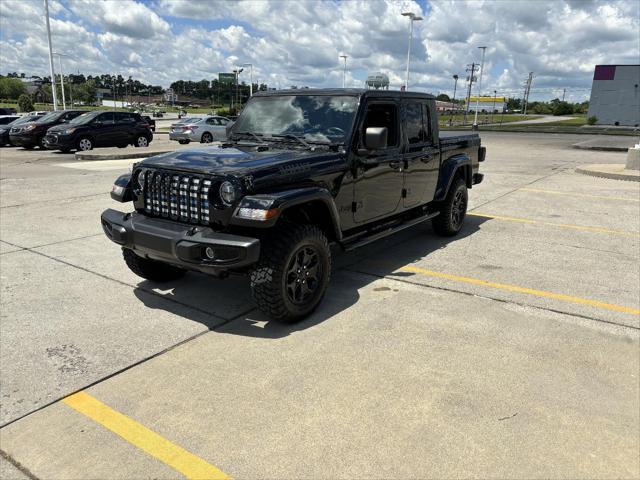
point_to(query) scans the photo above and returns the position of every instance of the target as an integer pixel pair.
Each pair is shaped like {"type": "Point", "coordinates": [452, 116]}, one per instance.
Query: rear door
{"type": "Point", "coordinates": [216, 128]}
{"type": "Point", "coordinates": [105, 130]}
{"type": "Point", "coordinates": [421, 155]}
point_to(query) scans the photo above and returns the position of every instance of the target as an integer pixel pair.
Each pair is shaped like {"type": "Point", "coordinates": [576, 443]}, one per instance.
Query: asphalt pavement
{"type": "Point", "coordinates": [510, 351]}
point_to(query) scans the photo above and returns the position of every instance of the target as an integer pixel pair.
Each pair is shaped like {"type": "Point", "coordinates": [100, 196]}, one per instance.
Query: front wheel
{"type": "Point", "coordinates": [150, 269]}
{"type": "Point", "coordinates": [452, 210]}
{"type": "Point", "coordinates": [141, 141]}
{"type": "Point", "coordinates": [85, 144]}
{"type": "Point", "coordinates": [293, 272]}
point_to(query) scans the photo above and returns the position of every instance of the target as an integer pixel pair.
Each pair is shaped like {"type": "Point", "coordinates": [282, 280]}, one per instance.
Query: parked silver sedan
{"type": "Point", "coordinates": [203, 130]}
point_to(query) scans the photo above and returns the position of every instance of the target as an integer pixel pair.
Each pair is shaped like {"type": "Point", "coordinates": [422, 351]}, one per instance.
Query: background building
{"type": "Point", "coordinates": [487, 104]}
{"type": "Point", "coordinates": [615, 95]}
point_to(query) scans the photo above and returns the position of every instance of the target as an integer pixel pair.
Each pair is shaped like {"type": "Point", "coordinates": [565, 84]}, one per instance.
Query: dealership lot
{"type": "Point", "coordinates": [511, 350]}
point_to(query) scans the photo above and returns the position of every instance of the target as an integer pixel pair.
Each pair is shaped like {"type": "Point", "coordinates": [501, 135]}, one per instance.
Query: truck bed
{"type": "Point", "coordinates": [459, 138]}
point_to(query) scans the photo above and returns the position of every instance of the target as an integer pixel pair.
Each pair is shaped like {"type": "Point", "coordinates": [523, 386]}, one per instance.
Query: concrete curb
{"type": "Point", "coordinates": [118, 156]}
{"type": "Point", "coordinates": [601, 148]}
{"type": "Point", "coordinates": [614, 171]}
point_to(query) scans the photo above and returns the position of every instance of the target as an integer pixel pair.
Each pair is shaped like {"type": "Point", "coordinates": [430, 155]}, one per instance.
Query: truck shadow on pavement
{"type": "Point", "coordinates": [197, 297]}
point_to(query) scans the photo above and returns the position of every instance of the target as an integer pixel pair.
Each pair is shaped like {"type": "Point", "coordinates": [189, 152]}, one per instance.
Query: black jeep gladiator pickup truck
{"type": "Point", "coordinates": [301, 169]}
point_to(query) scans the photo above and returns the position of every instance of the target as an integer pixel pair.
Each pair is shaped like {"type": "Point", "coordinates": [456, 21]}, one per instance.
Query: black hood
{"type": "Point", "coordinates": [268, 167]}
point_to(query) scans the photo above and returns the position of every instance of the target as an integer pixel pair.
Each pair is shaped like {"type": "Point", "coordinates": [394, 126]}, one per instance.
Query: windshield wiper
{"type": "Point", "coordinates": [251, 134]}
{"type": "Point", "coordinates": [294, 137]}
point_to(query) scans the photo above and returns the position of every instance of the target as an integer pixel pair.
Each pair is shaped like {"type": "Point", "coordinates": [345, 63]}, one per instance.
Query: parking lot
{"type": "Point", "coordinates": [510, 351]}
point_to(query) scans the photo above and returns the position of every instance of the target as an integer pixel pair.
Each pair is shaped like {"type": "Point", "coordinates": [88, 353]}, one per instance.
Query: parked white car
{"type": "Point", "coordinates": [203, 130]}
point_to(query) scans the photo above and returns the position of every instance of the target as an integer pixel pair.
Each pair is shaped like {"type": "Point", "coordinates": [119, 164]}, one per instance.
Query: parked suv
{"type": "Point", "coordinates": [301, 170]}
{"type": "Point", "coordinates": [6, 122]}
{"type": "Point", "coordinates": [100, 129]}
{"type": "Point", "coordinates": [8, 111]}
{"type": "Point", "coordinates": [30, 134]}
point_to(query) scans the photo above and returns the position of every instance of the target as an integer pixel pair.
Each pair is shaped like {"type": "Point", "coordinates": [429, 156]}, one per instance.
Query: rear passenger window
{"type": "Point", "coordinates": [212, 121]}
{"type": "Point", "coordinates": [413, 123]}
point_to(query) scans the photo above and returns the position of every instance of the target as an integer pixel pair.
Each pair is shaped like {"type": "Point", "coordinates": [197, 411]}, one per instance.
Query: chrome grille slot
{"type": "Point", "coordinates": [184, 198]}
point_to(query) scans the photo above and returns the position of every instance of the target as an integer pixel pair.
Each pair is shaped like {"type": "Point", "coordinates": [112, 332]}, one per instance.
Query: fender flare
{"type": "Point", "coordinates": [121, 191]}
{"type": "Point", "coordinates": [282, 201]}
{"type": "Point", "coordinates": [448, 171]}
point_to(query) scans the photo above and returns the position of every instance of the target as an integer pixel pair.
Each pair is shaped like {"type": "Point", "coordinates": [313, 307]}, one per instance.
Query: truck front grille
{"type": "Point", "coordinates": [184, 198]}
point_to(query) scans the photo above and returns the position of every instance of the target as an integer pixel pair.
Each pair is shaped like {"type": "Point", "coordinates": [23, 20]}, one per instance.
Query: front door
{"type": "Point", "coordinates": [105, 130]}
{"type": "Point", "coordinates": [378, 181]}
{"type": "Point", "coordinates": [421, 156]}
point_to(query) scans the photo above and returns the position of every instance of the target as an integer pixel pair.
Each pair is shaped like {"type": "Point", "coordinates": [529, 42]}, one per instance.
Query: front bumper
{"type": "Point", "coordinates": [23, 140]}
{"type": "Point", "coordinates": [56, 141]}
{"type": "Point", "coordinates": [180, 244]}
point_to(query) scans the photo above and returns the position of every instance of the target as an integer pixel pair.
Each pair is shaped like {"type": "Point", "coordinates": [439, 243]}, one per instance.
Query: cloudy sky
{"type": "Point", "coordinates": [299, 42]}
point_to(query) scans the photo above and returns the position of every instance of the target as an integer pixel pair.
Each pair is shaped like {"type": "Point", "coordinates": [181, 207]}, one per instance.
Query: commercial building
{"type": "Point", "coordinates": [615, 95]}
{"type": "Point", "coordinates": [487, 104]}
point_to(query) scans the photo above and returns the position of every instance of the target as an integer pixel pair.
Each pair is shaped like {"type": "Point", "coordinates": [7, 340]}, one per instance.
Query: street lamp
{"type": "Point", "coordinates": [237, 72]}
{"type": "Point", "coordinates": [250, 65]}
{"type": "Point", "coordinates": [475, 118]}
{"type": "Point", "coordinates": [412, 18]}
{"type": "Point", "coordinates": [344, 71]}
{"type": "Point", "coordinates": [495, 92]}
{"type": "Point", "coordinates": [53, 78]}
{"type": "Point", "coordinates": [60, 55]}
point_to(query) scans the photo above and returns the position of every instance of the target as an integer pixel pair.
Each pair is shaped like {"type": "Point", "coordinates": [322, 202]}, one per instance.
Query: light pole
{"type": "Point", "coordinates": [250, 65]}
{"type": "Point", "coordinates": [455, 85]}
{"type": "Point", "coordinates": [495, 92]}
{"type": "Point", "coordinates": [53, 77]}
{"type": "Point", "coordinates": [412, 18]}
{"type": "Point", "coordinates": [344, 71]}
{"type": "Point", "coordinates": [60, 55]}
{"type": "Point", "coordinates": [475, 118]}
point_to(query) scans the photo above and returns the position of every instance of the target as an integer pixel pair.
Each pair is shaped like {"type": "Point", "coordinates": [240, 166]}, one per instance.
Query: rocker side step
{"type": "Point", "coordinates": [349, 244]}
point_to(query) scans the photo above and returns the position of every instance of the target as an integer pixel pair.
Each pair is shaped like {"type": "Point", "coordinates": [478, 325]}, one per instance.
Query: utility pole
{"type": "Point", "coordinates": [60, 55]}
{"type": "Point", "coordinates": [564, 90]}
{"type": "Point", "coordinates": [527, 90]}
{"type": "Point", "coordinates": [53, 75]}
{"type": "Point", "coordinates": [250, 65]}
{"type": "Point", "coordinates": [471, 78]}
{"type": "Point", "coordinates": [495, 92]}
{"type": "Point", "coordinates": [475, 118]}
{"type": "Point", "coordinates": [344, 71]}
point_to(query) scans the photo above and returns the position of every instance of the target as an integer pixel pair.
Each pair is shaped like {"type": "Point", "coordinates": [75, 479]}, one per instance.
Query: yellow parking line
{"type": "Point", "coordinates": [140, 436]}
{"type": "Point", "coordinates": [585, 228]}
{"type": "Point", "coordinates": [575, 194]}
{"type": "Point", "coordinates": [529, 291]}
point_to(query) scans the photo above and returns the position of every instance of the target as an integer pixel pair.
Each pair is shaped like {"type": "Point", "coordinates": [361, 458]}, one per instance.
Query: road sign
{"type": "Point", "coordinates": [227, 77]}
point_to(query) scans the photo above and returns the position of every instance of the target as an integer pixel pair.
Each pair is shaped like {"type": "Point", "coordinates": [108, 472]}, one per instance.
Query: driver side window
{"type": "Point", "coordinates": [383, 115]}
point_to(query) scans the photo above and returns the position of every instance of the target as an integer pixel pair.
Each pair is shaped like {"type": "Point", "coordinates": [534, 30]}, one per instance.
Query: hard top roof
{"type": "Point", "coordinates": [346, 91]}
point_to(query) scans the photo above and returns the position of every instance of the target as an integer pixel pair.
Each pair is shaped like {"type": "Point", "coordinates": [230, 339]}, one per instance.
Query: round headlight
{"type": "Point", "coordinates": [141, 178]}
{"type": "Point", "coordinates": [227, 192]}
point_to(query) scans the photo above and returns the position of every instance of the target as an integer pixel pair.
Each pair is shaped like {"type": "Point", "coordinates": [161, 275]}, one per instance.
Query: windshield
{"type": "Point", "coordinates": [24, 119]}
{"type": "Point", "coordinates": [85, 118]}
{"type": "Point", "coordinates": [319, 118]}
{"type": "Point", "coordinates": [49, 117]}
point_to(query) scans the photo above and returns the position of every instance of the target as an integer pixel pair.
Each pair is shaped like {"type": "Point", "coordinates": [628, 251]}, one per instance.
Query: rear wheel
{"type": "Point", "coordinates": [85, 144]}
{"type": "Point", "coordinates": [452, 210]}
{"type": "Point", "coordinates": [207, 137]}
{"type": "Point", "coordinates": [150, 269]}
{"type": "Point", "coordinates": [183, 142]}
{"type": "Point", "coordinates": [293, 272]}
{"type": "Point", "coordinates": [142, 141]}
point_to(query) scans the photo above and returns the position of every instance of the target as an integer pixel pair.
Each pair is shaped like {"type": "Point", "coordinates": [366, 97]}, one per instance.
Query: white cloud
{"type": "Point", "coordinates": [299, 42]}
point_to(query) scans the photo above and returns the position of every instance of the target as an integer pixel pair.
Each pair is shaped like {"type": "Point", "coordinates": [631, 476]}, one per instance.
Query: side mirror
{"type": "Point", "coordinates": [375, 138]}
{"type": "Point", "coordinates": [64, 120]}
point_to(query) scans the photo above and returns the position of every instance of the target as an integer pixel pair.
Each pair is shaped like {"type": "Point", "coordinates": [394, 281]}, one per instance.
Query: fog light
{"type": "Point", "coordinates": [210, 253]}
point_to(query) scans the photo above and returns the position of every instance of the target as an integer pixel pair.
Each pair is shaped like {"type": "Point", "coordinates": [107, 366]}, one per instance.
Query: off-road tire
{"type": "Point", "coordinates": [269, 279]}
{"type": "Point", "coordinates": [447, 223]}
{"type": "Point", "coordinates": [150, 269]}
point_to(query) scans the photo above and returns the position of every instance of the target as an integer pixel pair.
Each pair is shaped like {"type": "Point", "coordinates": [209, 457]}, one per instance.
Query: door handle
{"type": "Point", "coordinates": [396, 165]}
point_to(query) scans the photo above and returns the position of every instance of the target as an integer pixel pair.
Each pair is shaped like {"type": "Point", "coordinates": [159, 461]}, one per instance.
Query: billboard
{"type": "Point", "coordinates": [227, 77]}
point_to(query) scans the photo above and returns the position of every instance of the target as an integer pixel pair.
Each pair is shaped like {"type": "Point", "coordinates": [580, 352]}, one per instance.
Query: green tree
{"type": "Point", "coordinates": [25, 103]}
{"type": "Point", "coordinates": [11, 88]}
{"type": "Point", "coordinates": [562, 108]}
{"type": "Point", "coordinates": [443, 97]}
